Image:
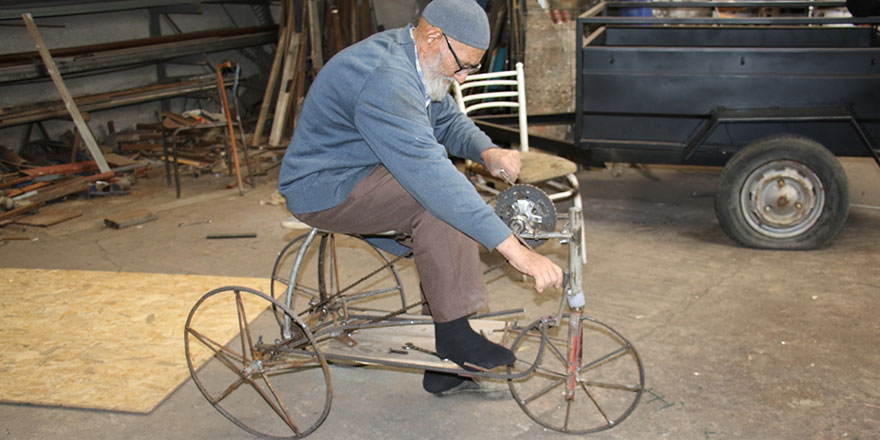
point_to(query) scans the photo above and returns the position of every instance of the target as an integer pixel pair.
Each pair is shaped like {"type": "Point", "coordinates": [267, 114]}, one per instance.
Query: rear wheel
{"type": "Point", "coordinates": [783, 192]}
{"type": "Point", "coordinates": [272, 386]}
{"type": "Point", "coordinates": [335, 272]}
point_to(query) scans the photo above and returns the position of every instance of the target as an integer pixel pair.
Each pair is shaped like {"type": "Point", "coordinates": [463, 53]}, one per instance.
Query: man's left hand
{"type": "Point", "coordinates": [497, 159]}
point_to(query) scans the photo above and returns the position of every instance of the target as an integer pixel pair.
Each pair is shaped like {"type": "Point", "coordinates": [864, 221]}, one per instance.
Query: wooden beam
{"type": "Point", "coordinates": [84, 130]}
{"type": "Point", "coordinates": [18, 211]}
{"type": "Point", "coordinates": [70, 187]}
{"type": "Point", "coordinates": [69, 168]}
{"type": "Point", "coordinates": [284, 92]}
{"type": "Point", "coordinates": [286, 31]}
{"type": "Point", "coordinates": [315, 33]}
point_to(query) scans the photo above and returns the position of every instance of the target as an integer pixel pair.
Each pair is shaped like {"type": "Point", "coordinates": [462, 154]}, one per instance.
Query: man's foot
{"type": "Point", "coordinates": [458, 342]}
{"type": "Point", "coordinates": [444, 384]}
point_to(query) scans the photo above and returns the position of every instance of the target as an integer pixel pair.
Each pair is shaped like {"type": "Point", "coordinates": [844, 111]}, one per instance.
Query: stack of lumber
{"type": "Point", "coordinates": [31, 188]}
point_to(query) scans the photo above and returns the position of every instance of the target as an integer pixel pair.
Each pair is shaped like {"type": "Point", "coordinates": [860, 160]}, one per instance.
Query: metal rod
{"type": "Point", "coordinates": [219, 70]}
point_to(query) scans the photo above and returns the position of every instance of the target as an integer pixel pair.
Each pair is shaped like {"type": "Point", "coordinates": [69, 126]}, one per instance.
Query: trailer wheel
{"type": "Point", "coordinates": [782, 192]}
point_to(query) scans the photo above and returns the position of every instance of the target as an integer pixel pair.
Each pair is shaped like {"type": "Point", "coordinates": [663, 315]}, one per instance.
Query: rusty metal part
{"type": "Point", "coordinates": [527, 210]}
{"type": "Point", "coordinates": [232, 144]}
{"type": "Point", "coordinates": [411, 346]}
{"type": "Point", "coordinates": [201, 222]}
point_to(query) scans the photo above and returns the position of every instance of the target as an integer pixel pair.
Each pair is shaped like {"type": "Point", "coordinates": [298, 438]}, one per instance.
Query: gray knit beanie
{"type": "Point", "coordinates": [462, 20]}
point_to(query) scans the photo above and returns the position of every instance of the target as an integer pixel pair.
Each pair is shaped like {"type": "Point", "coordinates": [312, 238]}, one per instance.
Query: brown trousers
{"type": "Point", "coordinates": [446, 259]}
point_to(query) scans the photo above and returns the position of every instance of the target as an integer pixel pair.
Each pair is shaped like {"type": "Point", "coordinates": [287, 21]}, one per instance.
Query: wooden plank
{"type": "Point", "coordinates": [69, 187]}
{"type": "Point", "coordinates": [315, 34]}
{"type": "Point", "coordinates": [179, 119]}
{"type": "Point", "coordinates": [130, 218]}
{"type": "Point", "coordinates": [44, 218]}
{"type": "Point", "coordinates": [286, 31]}
{"type": "Point", "coordinates": [75, 114]}
{"type": "Point", "coordinates": [14, 181]}
{"type": "Point", "coordinates": [70, 168]}
{"type": "Point", "coordinates": [15, 212]}
{"type": "Point", "coordinates": [298, 89]}
{"type": "Point", "coordinates": [281, 103]}
{"type": "Point", "coordinates": [117, 160]}
{"type": "Point", "coordinates": [139, 146]}
{"type": "Point", "coordinates": [25, 189]}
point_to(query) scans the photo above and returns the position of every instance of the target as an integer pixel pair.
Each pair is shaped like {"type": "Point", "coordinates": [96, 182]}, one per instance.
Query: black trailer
{"type": "Point", "coordinates": [773, 100]}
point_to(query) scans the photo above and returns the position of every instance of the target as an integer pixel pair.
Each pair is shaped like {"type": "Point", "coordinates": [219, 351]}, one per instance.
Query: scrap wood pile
{"type": "Point", "coordinates": [30, 188]}
{"type": "Point", "coordinates": [195, 140]}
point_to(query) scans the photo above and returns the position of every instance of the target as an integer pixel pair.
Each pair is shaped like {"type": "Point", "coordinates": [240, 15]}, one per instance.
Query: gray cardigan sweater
{"type": "Point", "coordinates": [368, 107]}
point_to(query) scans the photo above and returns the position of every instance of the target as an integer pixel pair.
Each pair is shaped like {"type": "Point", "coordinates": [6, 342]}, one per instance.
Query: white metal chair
{"type": "Point", "coordinates": [507, 90]}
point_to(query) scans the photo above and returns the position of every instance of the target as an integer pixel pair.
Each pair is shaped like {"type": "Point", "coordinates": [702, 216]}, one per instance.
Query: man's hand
{"type": "Point", "coordinates": [497, 159]}
{"type": "Point", "coordinates": [545, 272]}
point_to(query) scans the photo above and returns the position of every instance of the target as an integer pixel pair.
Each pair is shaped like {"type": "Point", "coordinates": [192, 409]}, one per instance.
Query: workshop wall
{"type": "Point", "coordinates": [87, 29]}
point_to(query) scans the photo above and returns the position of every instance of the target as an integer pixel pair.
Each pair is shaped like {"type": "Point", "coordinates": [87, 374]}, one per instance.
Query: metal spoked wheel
{"type": "Point", "coordinates": [269, 386]}
{"type": "Point", "coordinates": [605, 388]}
{"type": "Point", "coordinates": [335, 271]}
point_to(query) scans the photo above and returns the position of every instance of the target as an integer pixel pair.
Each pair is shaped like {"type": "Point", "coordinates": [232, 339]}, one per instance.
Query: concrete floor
{"type": "Point", "coordinates": [736, 343]}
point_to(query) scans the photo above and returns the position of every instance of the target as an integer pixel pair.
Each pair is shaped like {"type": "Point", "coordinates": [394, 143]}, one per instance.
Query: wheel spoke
{"type": "Point", "coordinates": [387, 265]}
{"type": "Point", "coordinates": [542, 391]}
{"type": "Point", "coordinates": [614, 386]}
{"type": "Point", "coordinates": [218, 349]}
{"type": "Point", "coordinates": [232, 387]}
{"type": "Point", "coordinates": [286, 416]}
{"type": "Point", "coordinates": [243, 328]}
{"type": "Point", "coordinates": [550, 373]}
{"type": "Point", "coordinates": [562, 358]}
{"type": "Point", "coordinates": [593, 399]}
{"type": "Point", "coordinates": [567, 414]}
{"type": "Point", "coordinates": [275, 403]}
{"type": "Point", "coordinates": [616, 354]}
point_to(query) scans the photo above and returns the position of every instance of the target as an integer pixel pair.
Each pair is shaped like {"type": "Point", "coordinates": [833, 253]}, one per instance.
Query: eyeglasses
{"type": "Point", "coordinates": [461, 68]}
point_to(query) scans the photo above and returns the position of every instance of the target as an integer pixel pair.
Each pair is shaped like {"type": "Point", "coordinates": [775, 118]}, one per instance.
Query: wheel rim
{"type": "Point", "coordinates": [782, 199]}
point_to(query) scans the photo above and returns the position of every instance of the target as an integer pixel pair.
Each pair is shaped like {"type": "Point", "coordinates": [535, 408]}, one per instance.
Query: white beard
{"type": "Point", "coordinates": [436, 85]}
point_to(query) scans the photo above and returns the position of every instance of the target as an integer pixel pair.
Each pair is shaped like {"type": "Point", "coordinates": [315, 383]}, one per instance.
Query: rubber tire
{"type": "Point", "coordinates": [805, 151]}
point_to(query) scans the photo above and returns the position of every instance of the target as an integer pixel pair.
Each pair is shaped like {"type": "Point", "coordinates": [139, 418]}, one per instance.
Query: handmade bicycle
{"type": "Point", "coordinates": [573, 374]}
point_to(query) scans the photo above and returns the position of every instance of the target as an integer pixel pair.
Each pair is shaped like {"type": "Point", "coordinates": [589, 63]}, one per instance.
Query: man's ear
{"type": "Point", "coordinates": [433, 33]}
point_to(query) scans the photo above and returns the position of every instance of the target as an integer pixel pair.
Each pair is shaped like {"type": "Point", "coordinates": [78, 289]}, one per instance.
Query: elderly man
{"type": "Point", "coordinates": [370, 154]}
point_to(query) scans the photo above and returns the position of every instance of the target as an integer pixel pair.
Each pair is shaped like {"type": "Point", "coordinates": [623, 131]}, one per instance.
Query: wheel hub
{"type": "Point", "coordinates": [782, 199]}
{"type": "Point", "coordinates": [525, 209]}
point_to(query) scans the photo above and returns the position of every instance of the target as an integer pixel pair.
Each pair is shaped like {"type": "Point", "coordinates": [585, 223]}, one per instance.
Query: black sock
{"type": "Point", "coordinates": [458, 342]}
{"type": "Point", "coordinates": [435, 382]}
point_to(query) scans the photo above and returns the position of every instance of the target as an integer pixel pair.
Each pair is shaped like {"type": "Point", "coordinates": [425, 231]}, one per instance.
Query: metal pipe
{"type": "Point", "coordinates": [222, 89]}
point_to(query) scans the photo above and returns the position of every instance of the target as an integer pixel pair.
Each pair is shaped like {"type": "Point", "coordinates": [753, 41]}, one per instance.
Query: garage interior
{"type": "Point", "coordinates": [100, 277]}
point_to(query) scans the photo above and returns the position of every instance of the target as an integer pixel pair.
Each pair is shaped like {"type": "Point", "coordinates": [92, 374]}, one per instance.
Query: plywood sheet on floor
{"type": "Point", "coordinates": [103, 340]}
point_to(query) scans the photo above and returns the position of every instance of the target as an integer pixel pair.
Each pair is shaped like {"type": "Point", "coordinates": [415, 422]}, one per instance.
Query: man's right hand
{"type": "Point", "coordinates": [545, 272]}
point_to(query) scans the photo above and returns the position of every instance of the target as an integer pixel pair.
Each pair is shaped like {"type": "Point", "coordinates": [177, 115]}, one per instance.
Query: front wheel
{"type": "Point", "coordinates": [783, 192]}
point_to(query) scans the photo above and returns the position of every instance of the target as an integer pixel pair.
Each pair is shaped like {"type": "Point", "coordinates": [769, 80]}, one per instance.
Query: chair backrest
{"type": "Point", "coordinates": [496, 90]}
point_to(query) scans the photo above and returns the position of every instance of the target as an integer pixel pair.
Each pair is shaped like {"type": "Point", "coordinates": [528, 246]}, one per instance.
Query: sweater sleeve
{"type": "Point", "coordinates": [391, 116]}
{"type": "Point", "coordinates": [457, 131]}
